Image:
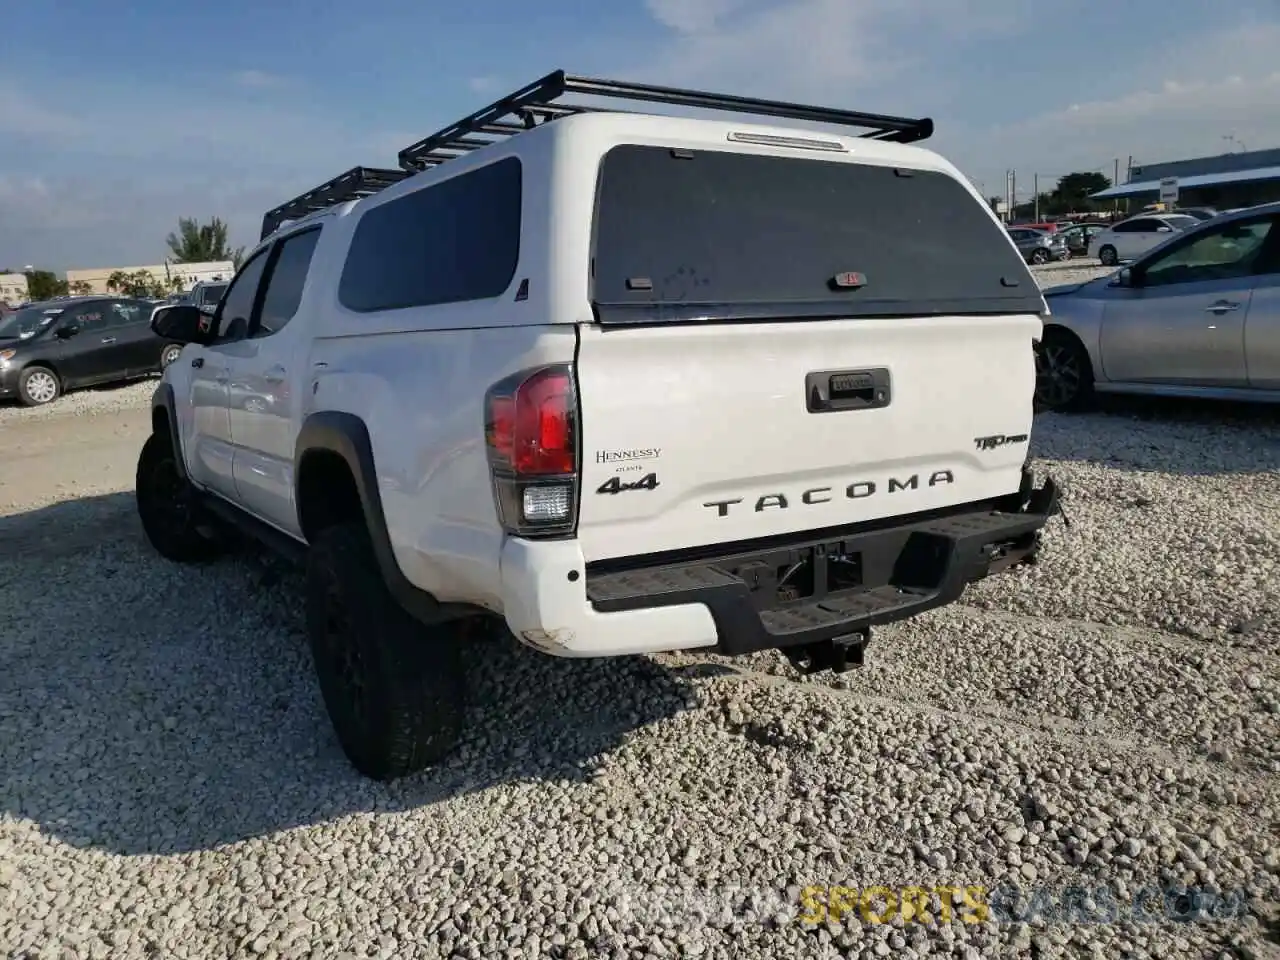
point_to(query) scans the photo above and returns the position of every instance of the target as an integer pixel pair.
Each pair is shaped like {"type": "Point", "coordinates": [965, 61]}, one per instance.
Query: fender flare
{"type": "Point", "coordinates": [346, 435]}
{"type": "Point", "coordinates": [163, 398]}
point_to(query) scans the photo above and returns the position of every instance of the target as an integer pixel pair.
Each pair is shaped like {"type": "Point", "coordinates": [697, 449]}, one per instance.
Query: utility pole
{"type": "Point", "coordinates": [1013, 195]}
{"type": "Point", "coordinates": [1128, 178]}
{"type": "Point", "coordinates": [1035, 188]}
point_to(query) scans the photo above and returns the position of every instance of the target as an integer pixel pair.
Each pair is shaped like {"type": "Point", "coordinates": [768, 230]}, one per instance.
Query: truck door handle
{"type": "Point", "coordinates": [827, 391]}
{"type": "Point", "coordinates": [275, 375]}
{"type": "Point", "coordinates": [108, 339]}
{"type": "Point", "coordinates": [1222, 306]}
{"type": "Point", "coordinates": [198, 362]}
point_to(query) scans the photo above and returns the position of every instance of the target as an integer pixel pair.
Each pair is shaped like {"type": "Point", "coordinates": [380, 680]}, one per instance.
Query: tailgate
{"type": "Point", "coordinates": [697, 435]}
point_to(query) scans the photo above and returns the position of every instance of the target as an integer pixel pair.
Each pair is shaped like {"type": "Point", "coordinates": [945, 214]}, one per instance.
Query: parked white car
{"type": "Point", "coordinates": [1130, 239]}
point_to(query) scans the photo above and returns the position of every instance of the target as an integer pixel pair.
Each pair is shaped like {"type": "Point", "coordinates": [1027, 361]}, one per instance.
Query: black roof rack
{"type": "Point", "coordinates": [532, 105]}
{"type": "Point", "coordinates": [355, 183]}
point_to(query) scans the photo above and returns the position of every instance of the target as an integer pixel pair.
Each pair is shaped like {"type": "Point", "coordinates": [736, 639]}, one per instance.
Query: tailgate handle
{"type": "Point", "coordinates": [827, 391]}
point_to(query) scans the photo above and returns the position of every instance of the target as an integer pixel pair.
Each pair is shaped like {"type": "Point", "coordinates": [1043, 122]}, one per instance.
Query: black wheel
{"type": "Point", "coordinates": [1064, 375]}
{"type": "Point", "coordinates": [394, 688]}
{"type": "Point", "coordinates": [1107, 256]}
{"type": "Point", "coordinates": [169, 507]}
{"type": "Point", "coordinates": [38, 386]}
{"type": "Point", "coordinates": [1040, 255]}
{"type": "Point", "coordinates": [169, 354]}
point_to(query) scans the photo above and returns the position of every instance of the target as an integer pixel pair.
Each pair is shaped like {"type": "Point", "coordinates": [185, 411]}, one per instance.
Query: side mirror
{"type": "Point", "coordinates": [1123, 278]}
{"type": "Point", "coordinates": [67, 331]}
{"type": "Point", "coordinates": [1164, 229]}
{"type": "Point", "coordinates": [183, 323]}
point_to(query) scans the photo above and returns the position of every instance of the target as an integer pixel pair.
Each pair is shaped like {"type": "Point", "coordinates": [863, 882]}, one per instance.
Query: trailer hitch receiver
{"type": "Point", "coordinates": [839, 654]}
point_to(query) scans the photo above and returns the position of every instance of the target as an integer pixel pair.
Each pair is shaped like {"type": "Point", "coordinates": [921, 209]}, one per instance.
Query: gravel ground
{"type": "Point", "coordinates": [84, 402]}
{"type": "Point", "coordinates": [1108, 718]}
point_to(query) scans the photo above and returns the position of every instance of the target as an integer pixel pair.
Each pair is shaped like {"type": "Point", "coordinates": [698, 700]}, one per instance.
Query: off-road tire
{"type": "Point", "coordinates": [169, 507]}
{"type": "Point", "coordinates": [394, 688]}
{"type": "Point", "coordinates": [38, 386]}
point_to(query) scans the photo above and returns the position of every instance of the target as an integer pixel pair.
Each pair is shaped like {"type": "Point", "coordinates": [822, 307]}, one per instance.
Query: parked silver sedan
{"type": "Point", "coordinates": [1198, 316]}
{"type": "Point", "coordinates": [1037, 246]}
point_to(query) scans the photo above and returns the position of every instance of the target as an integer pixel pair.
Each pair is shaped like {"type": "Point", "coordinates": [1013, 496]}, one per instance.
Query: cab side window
{"type": "Point", "coordinates": [285, 283]}
{"type": "Point", "coordinates": [237, 307]}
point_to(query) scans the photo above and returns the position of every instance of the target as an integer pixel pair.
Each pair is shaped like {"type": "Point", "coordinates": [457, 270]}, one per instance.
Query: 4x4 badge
{"type": "Point", "coordinates": [615, 484]}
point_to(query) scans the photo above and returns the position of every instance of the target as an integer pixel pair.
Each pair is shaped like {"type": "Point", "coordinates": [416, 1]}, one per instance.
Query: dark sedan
{"type": "Point", "coordinates": [51, 347]}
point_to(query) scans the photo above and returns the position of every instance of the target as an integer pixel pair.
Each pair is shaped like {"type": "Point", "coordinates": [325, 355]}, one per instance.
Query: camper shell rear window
{"type": "Point", "coordinates": [684, 235]}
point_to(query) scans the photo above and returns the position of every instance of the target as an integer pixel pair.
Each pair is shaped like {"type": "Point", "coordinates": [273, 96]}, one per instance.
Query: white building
{"type": "Point", "coordinates": [95, 280]}
{"type": "Point", "coordinates": [13, 288]}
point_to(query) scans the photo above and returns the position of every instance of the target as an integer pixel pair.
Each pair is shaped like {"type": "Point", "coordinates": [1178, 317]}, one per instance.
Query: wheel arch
{"type": "Point", "coordinates": [336, 480]}
{"type": "Point", "coordinates": [164, 418]}
{"type": "Point", "coordinates": [1061, 332]}
{"type": "Point", "coordinates": [45, 364]}
{"type": "Point", "coordinates": [165, 347]}
{"type": "Point", "coordinates": [1086, 331]}
{"type": "Point", "coordinates": [48, 364]}
{"type": "Point", "coordinates": [1054, 329]}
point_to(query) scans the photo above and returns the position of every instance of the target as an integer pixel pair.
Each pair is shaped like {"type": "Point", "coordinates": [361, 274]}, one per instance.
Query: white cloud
{"type": "Point", "coordinates": [823, 51]}
{"type": "Point", "coordinates": [257, 79]}
{"type": "Point", "coordinates": [22, 192]}
{"type": "Point", "coordinates": [23, 117]}
{"type": "Point", "coordinates": [691, 16]}
{"type": "Point", "coordinates": [813, 47]}
{"type": "Point", "coordinates": [941, 58]}
{"type": "Point", "coordinates": [1218, 92]}
{"type": "Point", "coordinates": [72, 195]}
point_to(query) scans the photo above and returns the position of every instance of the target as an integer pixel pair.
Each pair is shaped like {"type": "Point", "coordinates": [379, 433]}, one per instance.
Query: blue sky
{"type": "Point", "coordinates": [113, 123]}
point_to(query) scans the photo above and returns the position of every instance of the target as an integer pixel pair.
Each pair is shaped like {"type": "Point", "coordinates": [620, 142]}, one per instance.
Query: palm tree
{"type": "Point", "coordinates": [197, 242]}
{"type": "Point", "coordinates": [140, 283]}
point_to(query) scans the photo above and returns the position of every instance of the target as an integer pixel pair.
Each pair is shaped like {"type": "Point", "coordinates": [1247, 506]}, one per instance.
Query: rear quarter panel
{"type": "Point", "coordinates": [421, 395]}
{"type": "Point", "coordinates": [1082, 316]}
{"type": "Point", "coordinates": [417, 377]}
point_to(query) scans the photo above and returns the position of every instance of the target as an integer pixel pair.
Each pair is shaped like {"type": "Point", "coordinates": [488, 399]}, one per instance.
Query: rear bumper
{"type": "Point", "coordinates": [844, 582]}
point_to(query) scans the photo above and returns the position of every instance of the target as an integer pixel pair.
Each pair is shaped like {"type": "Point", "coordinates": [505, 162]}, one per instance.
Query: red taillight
{"type": "Point", "coordinates": [543, 441]}
{"type": "Point", "coordinates": [502, 427]}
{"type": "Point", "coordinates": [531, 431]}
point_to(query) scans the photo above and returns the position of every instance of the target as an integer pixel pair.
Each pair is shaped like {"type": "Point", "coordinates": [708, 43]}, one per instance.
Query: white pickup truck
{"type": "Point", "coordinates": [626, 382]}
